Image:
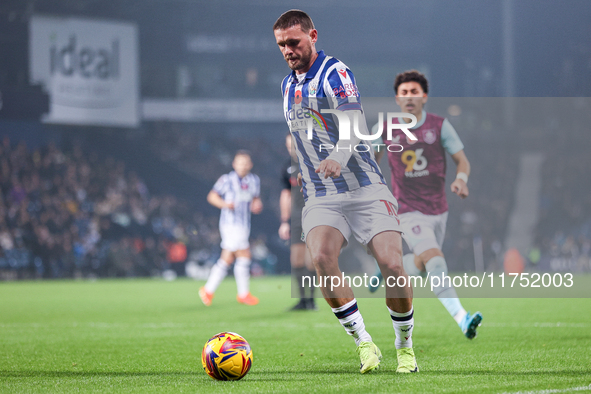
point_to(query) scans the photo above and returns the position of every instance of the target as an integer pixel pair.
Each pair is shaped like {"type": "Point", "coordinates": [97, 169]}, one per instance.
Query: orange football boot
{"type": "Point", "coordinates": [206, 297]}
{"type": "Point", "coordinates": [247, 299]}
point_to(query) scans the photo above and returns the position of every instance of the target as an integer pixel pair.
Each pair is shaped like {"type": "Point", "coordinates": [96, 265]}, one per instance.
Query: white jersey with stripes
{"type": "Point", "coordinates": [240, 192]}
{"type": "Point", "coordinates": [329, 84]}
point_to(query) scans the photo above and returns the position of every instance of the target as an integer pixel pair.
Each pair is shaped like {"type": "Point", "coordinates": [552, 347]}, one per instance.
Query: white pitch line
{"type": "Point", "coordinates": [538, 325]}
{"type": "Point", "coordinates": [552, 391]}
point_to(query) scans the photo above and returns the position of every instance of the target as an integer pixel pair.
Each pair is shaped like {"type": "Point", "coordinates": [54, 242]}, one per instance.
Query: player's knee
{"type": "Point", "coordinates": [429, 254]}
{"type": "Point", "coordinates": [437, 265]}
{"type": "Point", "coordinates": [242, 262]}
{"type": "Point", "coordinates": [323, 259]}
{"type": "Point", "coordinates": [410, 266]}
{"type": "Point", "coordinates": [392, 266]}
{"type": "Point", "coordinates": [396, 269]}
{"type": "Point", "coordinates": [391, 261]}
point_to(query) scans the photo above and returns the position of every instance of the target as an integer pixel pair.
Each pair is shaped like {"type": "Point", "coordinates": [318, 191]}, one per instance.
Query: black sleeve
{"type": "Point", "coordinates": [285, 175]}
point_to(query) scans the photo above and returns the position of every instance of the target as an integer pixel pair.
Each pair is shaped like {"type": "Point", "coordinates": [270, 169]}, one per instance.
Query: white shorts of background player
{"type": "Point", "coordinates": [423, 232]}
{"type": "Point", "coordinates": [234, 237]}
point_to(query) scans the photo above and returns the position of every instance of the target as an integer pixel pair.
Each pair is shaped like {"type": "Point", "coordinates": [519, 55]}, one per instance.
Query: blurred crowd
{"type": "Point", "coordinates": [563, 234]}
{"type": "Point", "coordinates": [203, 154]}
{"type": "Point", "coordinates": [74, 213]}
{"type": "Point", "coordinates": [483, 216]}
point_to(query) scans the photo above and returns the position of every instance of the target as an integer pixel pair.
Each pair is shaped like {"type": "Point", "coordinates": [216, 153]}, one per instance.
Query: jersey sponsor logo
{"type": "Point", "coordinates": [351, 90]}
{"type": "Point", "coordinates": [315, 115]}
{"type": "Point", "coordinates": [429, 136]}
{"type": "Point", "coordinates": [298, 118]}
{"type": "Point", "coordinates": [338, 91]}
{"type": "Point", "coordinates": [416, 163]}
{"type": "Point", "coordinates": [346, 90]}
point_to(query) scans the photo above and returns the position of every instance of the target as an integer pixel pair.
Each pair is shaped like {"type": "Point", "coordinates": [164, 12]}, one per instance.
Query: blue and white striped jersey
{"type": "Point", "coordinates": [329, 84]}
{"type": "Point", "coordinates": [241, 192]}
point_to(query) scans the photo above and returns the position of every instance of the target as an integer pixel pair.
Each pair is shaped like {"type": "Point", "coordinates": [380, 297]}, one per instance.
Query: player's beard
{"type": "Point", "coordinates": [303, 61]}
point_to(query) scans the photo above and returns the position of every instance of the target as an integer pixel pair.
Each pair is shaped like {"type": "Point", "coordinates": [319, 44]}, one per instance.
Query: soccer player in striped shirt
{"type": "Point", "coordinates": [237, 195]}
{"type": "Point", "coordinates": [344, 190]}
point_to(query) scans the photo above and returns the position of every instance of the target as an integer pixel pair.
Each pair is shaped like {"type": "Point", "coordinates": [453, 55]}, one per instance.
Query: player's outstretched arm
{"type": "Point", "coordinates": [460, 185]}
{"type": "Point", "coordinates": [217, 201]}
{"type": "Point", "coordinates": [256, 206]}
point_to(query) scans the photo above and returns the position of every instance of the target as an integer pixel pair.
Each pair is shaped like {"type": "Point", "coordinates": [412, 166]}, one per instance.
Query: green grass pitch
{"type": "Point", "coordinates": [146, 336]}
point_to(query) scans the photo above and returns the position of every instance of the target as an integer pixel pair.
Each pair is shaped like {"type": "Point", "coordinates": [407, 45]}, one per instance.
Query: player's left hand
{"type": "Point", "coordinates": [329, 168]}
{"type": "Point", "coordinates": [460, 188]}
{"type": "Point", "coordinates": [256, 206]}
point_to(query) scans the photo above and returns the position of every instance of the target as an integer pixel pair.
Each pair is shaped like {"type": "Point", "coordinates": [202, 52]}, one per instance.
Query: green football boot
{"type": "Point", "coordinates": [370, 356]}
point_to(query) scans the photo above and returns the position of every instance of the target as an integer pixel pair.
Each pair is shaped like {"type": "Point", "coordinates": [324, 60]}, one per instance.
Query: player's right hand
{"type": "Point", "coordinates": [284, 231]}
{"type": "Point", "coordinates": [329, 168]}
{"type": "Point", "coordinates": [229, 205]}
{"type": "Point", "coordinates": [460, 188]}
{"type": "Point", "coordinates": [256, 206]}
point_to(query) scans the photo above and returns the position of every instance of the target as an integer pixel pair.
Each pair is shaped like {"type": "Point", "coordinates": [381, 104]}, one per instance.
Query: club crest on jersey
{"type": "Point", "coordinates": [429, 136]}
{"type": "Point", "coordinates": [416, 229]}
{"type": "Point", "coordinates": [313, 87]}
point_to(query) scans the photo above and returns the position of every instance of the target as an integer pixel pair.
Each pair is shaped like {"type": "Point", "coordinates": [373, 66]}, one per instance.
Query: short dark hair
{"type": "Point", "coordinates": [243, 152]}
{"type": "Point", "coordinates": [294, 18]}
{"type": "Point", "coordinates": [411, 76]}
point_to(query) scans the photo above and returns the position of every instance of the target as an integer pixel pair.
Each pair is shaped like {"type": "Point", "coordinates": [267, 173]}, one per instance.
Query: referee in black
{"type": "Point", "coordinates": [291, 203]}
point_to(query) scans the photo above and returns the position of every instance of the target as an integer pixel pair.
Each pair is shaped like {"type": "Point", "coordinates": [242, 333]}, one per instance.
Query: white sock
{"type": "Point", "coordinates": [403, 325]}
{"type": "Point", "coordinates": [352, 321]}
{"type": "Point", "coordinates": [242, 275]}
{"type": "Point", "coordinates": [408, 262]}
{"type": "Point", "coordinates": [217, 274]}
{"type": "Point", "coordinates": [459, 317]}
{"type": "Point", "coordinates": [445, 292]}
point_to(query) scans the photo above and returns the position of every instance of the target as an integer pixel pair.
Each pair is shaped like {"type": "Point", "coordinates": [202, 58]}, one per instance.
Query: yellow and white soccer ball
{"type": "Point", "coordinates": [226, 356]}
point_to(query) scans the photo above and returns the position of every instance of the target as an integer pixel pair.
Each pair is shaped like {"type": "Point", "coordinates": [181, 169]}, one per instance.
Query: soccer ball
{"type": "Point", "coordinates": [226, 356]}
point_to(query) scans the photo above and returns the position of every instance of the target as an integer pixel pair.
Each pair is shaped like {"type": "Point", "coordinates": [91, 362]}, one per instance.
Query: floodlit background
{"type": "Point", "coordinates": [116, 119]}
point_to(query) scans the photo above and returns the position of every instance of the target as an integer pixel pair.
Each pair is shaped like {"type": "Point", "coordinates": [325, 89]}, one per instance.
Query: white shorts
{"type": "Point", "coordinates": [423, 232]}
{"type": "Point", "coordinates": [365, 212]}
{"type": "Point", "coordinates": [234, 237]}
